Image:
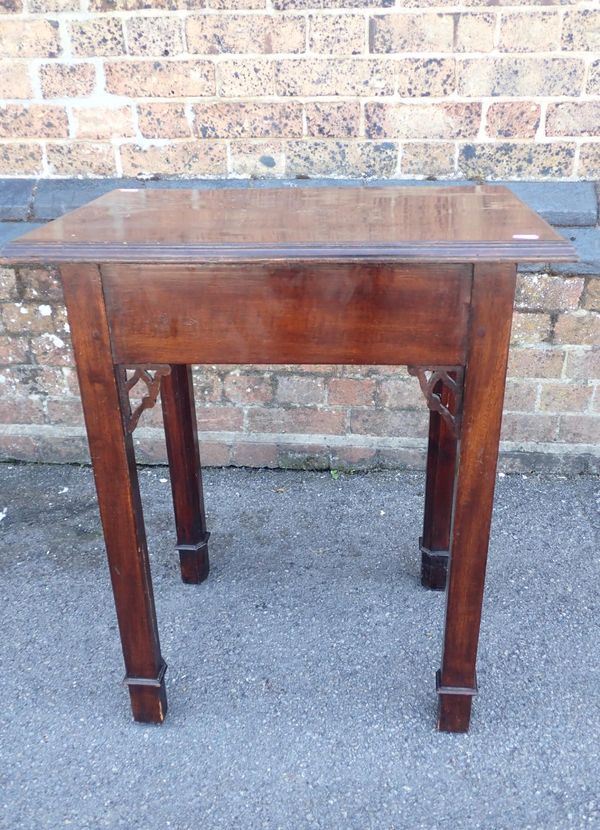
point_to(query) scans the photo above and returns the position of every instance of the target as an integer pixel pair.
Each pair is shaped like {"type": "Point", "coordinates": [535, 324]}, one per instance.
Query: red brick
{"type": "Point", "coordinates": [350, 392]}
{"type": "Point", "coordinates": [519, 396]}
{"type": "Point", "coordinates": [582, 365]}
{"type": "Point", "coordinates": [565, 397]}
{"type": "Point", "coordinates": [401, 393]}
{"type": "Point", "coordinates": [65, 411]}
{"type": "Point", "coordinates": [29, 38]}
{"type": "Point", "coordinates": [297, 420]}
{"type": "Point", "coordinates": [249, 454]}
{"type": "Point", "coordinates": [578, 328]}
{"type": "Point", "coordinates": [580, 429]}
{"type": "Point", "coordinates": [14, 350]}
{"type": "Point", "coordinates": [219, 419]}
{"type": "Point", "coordinates": [52, 350]}
{"type": "Point", "coordinates": [390, 424]}
{"type": "Point", "coordinates": [243, 388]}
{"type": "Point", "coordinates": [522, 426]}
{"type": "Point", "coordinates": [299, 389]}
{"type": "Point", "coordinates": [536, 363]}
{"type": "Point", "coordinates": [22, 410]}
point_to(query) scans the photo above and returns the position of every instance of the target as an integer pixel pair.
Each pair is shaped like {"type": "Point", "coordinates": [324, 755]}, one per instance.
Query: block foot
{"type": "Point", "coordinates": [434, 568]}
{"type": "Point", "coordinates": [148, 697]}
{"type": "Point", "coordinates": [454, 707]}
{"type": "Point", "coordinates": [193, 560]}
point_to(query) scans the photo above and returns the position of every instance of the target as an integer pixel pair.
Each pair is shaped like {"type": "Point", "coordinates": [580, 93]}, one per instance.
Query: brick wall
{"type": "Point", "coordinates": [315, 415]}
{"type": "Point", "coordinates": [347, 88]}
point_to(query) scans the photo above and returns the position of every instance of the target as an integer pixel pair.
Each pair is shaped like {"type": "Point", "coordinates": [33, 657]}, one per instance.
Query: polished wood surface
{"type": "Point", "coordinates": [288, 313]}
{"type": "Point", "coordinates": [157, 280]}
{"type": "Point", "coordinates": [453, 224]}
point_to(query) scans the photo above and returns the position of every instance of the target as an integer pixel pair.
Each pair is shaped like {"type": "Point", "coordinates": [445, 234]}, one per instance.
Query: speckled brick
{"type": "Point", "coordinates": [102, 122]}
{"type": "Point", "coordinates": [525, 427]}
{"type": "Point", "coordinates": [300, 389]}
{"type": "Point", "coordinates": [427, 158]}
{"type": "Point", "coordinates": [33, 121]}
{"type": "Point", "coordinates": [581, 30]}
{"type": "Point", "coordinates": [520, 76]}
{"type": "Point", "coordinates": [351, 392]}
{"type": "Point", "coordinates": [332, 119]}
{"type": "Point", "coordinates": [333, 34]}
{"type": "Point", "coordinates": [245, 34]}
{"type": "Point", "coordinates": [578, 328]}
{"type": "Point", "coordinates": [422, 120]}
{"type": "Point", "coordinates": [154, 36]}
{"type": "Point", "coordinates": [8, 283]}
{"type": "Point", "coordinates": [400, 393]}
{"type": "Point", "coordinates": [257, 159]}
{"type": "Point", "coordinates": [530, 328]}
{"type": "Point", "coordinates": [340, 159]}
{"type": "Point", "coordinates": [160, 79]}
{"type": "Point", "coordinates": [512, 119]}
{"type": "Point", "coordinates": [591, 297]}
{"type": "Point", "coordinates": [15, 80]}
{"type": "Point", "coordinates": [134, 5]}
{"type": "Point", "coordinates": [536, 362]}
{"type": "Point", "coordinates": [20, 159]}
{"type": "Point", "coordinates": [183, 158]}
{"type": "Point", "coordinates": [98, 36]}
{"type": "Point", "coordinates": [427, 32]}
{"type": "Point", "coordinates": [529, 32]}
{"type": "Point", "coordinates": [474, 32]}
{"type": "Point", "coordinates": [520, 396]}
{"type": "Point", "coordinates": [45, 6]}
{"type": "Point", "coordinates": [593, 84]}
{"type": "Point", "coordinates": [579, 429]}
{"type": "Point", "coordinates": [41, 284]}
{"type": "Point", "coordinates": [388, 423]}
{"type": "Point", "coordinates": [13, 350]}
{"type": "Point", "coordinates": [244, 388]}
{"type": "Point", "coordinates": [246, 78]}
{"type": "Point", "coordinates": [81, 158]}
{"type": "Point", "coordinates": [583, 364]}
{"type": "Point", "coordinates": [248, 119]}
{"type": "Point", "coordinates": [518, 161]}
{"type": "Point", "coordinates": [573, 118]}
{"type": "Point", "coordinates": [302, 420]}
{"type": "Point", "coordinates": [163, 120]}
{"type": "Point", "coordinates": [588, 166]}
{"type": "Point", "coordinates": [29, 38]}
{"type": "Point", "coordinates": [333, 76]}
{"type": "Point", "coordinates": [424, 77]}
{"type": "Point", "coordinates": [545, 292]}
{"type": "Point", "coordinates": [565, 397]}
{"type": "Point", "coordinates": [61, 80]}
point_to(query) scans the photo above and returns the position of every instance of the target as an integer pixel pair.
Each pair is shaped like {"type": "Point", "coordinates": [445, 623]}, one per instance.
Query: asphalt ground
{"type": "Point", "coordinates": [301, 674]}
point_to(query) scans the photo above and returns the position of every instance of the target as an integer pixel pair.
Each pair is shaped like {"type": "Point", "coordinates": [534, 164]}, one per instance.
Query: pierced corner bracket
{"type": "Point", "coordinates": [150, 375]}
{"type": "Point", "coordinates": [430, 379]}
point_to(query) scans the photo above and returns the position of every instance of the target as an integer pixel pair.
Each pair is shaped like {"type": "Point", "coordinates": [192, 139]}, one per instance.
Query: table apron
{"type": "Point", "coordinates": [295, 312]}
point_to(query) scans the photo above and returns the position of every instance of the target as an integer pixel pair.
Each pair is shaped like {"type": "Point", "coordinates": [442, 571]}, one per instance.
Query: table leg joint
{"type": "Point", "coordinates": [454, 690]}
{"type": "Point", "coordinates": [150, 375]}
{"type": "Point", "coordinates": [452, 377]}
{"type": "Point", "coordinates": [147, 681]}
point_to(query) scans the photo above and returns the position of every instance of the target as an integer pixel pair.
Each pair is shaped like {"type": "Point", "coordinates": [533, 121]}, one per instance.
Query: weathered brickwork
{"type": "Point", "coordinates": [284, 88]}
{"type": "Point", "coordinates": [344, 417]}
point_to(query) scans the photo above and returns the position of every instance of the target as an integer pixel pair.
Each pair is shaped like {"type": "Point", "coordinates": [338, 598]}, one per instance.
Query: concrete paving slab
{"type": "Point", "coordinates": [301, 674]}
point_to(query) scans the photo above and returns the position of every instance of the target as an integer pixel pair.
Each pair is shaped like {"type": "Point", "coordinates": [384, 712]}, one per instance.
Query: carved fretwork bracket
{"type": "Point", "coordinates": [452, 377]}
{"type": "Point", "coordinates": [150, 375]}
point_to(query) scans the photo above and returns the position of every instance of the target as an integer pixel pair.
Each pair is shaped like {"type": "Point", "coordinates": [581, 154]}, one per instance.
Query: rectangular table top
{"type": "Point", "coordinates": [441, 224]}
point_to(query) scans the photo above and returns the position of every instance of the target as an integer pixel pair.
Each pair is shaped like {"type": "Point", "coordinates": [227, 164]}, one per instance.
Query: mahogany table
{"type": "Point", "coordinates": [157, 280]}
